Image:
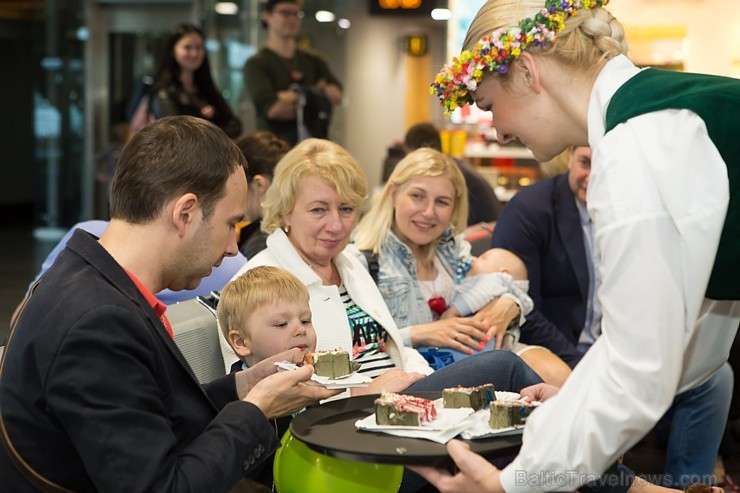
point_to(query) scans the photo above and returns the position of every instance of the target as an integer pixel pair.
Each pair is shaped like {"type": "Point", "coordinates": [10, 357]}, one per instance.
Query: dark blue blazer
{"type": "Point", "coordinates": [542, 226]}
{"type": "Point", "coordinates": [96, 396]}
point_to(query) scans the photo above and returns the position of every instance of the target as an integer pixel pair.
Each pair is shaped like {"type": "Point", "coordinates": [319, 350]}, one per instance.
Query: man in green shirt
{"type": "Point", "coordinates": [276, 72]}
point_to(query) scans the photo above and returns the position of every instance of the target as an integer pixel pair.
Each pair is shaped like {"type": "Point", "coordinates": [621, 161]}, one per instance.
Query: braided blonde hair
{"type": "Point", "coordinates": [590, 38]}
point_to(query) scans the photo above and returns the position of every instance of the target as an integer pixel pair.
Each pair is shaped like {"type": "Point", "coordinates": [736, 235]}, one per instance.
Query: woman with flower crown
{"type": "Point", "coordinates": [664, 196]}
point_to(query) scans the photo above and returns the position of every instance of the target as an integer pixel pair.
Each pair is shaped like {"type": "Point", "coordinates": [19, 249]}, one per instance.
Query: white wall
{"type": "Point", "coordinates": [374, 79]}
{"type": "Point", "coordinates": [375, 82]}
{"type": "Point", "coordinates": [713, 28]}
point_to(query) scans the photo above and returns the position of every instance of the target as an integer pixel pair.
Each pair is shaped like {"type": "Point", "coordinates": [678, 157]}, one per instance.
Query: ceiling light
{"type": "Point", "coordinates": [441, 14]}
{"type": "Point", "coordinates": [226, 8]}
{"type": "Point", "coordinates": [325, 16]}
{"type": "Point", "coordinates": [344, 23]}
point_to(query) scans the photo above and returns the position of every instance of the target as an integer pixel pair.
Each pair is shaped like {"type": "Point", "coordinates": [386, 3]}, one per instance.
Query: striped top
{"type": "Point", "coordinates": [368, 339]}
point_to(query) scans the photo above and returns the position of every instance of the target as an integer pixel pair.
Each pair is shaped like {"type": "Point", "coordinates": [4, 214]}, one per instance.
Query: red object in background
{"type": "Point", "coordinates": [502, 161]}
{"type": "Point", "coordinates": [465, 111]}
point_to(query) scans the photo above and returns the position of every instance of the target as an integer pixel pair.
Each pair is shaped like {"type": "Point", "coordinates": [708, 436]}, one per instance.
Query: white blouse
{"type": "Point", "coordinates": [658, 195]}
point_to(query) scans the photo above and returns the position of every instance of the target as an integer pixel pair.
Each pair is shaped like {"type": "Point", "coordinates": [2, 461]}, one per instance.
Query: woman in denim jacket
{"type": "Point", "coordinates": [429, 279]}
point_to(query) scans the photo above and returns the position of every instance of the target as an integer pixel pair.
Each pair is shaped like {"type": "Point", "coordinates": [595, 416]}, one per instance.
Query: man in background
{"type": "Point", "coordinates": [263, 150]}
{"type": "Point", "coordinates": [282, 78]}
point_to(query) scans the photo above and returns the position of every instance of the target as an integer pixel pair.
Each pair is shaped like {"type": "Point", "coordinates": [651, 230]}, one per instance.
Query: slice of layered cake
{"type": "Point", "coordinates": [403, 410]}
{"type": "Point", "coordinates": [475, 397]}
{"type": "Point", "coordinates": [505, 414]}
{"type": "Point", "coordinates": [331, 364]}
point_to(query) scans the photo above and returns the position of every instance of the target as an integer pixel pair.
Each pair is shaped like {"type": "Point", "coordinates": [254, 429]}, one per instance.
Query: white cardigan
{"type": "Point", "coordinates": [328, 313]}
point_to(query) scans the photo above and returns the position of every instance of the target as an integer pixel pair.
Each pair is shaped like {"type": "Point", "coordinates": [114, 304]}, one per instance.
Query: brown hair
{"type": "Point", "coordinates": [170, 157]}
{"type": "Point", "coordinates": [263, 150]}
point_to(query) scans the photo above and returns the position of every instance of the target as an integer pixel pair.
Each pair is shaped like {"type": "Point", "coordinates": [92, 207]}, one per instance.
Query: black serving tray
{"type": "Point", "coordinates": [330, 429]}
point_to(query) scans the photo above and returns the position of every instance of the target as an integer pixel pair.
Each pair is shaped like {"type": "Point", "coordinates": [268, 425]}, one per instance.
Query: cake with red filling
{"type": "Point", "coordinates": [331, 364]}
{"type": "Point", "coordinates": [403, 410]}
{"type": "Point", "coordinates": [474, 397]}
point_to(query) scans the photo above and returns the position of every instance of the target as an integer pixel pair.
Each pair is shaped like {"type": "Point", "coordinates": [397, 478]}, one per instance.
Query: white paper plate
{"type": "Point", "coordinates": [446, 419]}
{"type": "Point", "coordinates": [478, 427]}
{"type": "Point", "coordinates": [352, 380]}
{"type": "Point", "coordinates": [448, 424]}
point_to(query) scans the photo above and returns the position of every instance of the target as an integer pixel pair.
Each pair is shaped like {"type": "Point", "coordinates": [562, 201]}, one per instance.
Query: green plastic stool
{"type": "Point", "coordinates": [298, 469]}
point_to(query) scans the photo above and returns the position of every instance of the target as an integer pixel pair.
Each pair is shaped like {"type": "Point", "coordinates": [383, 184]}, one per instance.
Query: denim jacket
{"type": "Point", "coordinates": [399, 286]}
{"type": "Point", "coordinates": [402, 293]}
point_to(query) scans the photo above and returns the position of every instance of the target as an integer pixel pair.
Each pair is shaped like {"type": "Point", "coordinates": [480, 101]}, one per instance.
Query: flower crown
{"type": "Point", "coordinates": [455, 81]}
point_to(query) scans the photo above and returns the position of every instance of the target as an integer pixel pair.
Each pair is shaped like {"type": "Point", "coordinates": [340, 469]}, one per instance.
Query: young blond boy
{"type": "Point", "coordinates": [265, 312]}
{"type": "Point", "coordinates": [262, 313]}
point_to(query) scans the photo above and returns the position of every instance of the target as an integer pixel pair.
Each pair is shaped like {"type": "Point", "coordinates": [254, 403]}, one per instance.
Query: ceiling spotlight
{"type": "Point", "coordinates": [325, 16]}
{"type": "Point", "coordinates": [344, 23]}
{"type": "Point", "coordinates": [441, 14]}
{"type": "Point", "coordinates": [226, 8]}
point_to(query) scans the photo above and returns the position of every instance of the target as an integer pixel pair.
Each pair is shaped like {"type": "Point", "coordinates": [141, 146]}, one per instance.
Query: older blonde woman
{"type": "Point", "coordinates": [428, 277]}
{"type": "Point", "coordinates": [309, 213]}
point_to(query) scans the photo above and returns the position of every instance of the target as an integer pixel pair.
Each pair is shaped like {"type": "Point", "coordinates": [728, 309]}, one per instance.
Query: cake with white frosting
{"type": "Point", "coordinates": [403, 410]}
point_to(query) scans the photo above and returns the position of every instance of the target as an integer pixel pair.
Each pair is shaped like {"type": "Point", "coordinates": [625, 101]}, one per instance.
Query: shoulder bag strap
{"type": "Point", "coordinates": [34, 478]}
{"type": "Point", "coordinates": [373, 265]}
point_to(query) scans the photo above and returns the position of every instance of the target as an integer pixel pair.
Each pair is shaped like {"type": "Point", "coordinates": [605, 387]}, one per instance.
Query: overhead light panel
{"type": "Point", "coordinates": [226, 8]}
{"type": "Point", "coordinates": [441, 14]}
{"type": "Point", "coordinates": [325, 16]}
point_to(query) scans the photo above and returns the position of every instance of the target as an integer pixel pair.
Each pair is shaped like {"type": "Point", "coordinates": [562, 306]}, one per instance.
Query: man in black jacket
{"type": "Point", "coordinates": [94, 393]}
{"type": "Point", "coordinates": [542, 225]}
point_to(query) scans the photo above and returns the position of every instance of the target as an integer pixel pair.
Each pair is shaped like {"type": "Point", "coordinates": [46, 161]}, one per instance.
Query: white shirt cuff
{"type": "Point", "coordinates": [406, 336]}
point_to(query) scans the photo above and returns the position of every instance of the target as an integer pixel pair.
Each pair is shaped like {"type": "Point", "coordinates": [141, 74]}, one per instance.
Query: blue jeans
{"type": "Point", "coordinates": [458, 356]}
{"type": "Point", "coordinates": [697, 422]}
{"type": "Point", "coordinates": [504, 369]}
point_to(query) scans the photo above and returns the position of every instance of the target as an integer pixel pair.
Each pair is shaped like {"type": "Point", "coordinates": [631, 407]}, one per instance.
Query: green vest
{"type": "Point", "coordinates": [717, 101]}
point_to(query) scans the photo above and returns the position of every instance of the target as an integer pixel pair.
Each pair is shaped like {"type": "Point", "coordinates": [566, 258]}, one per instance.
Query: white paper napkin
{"type": "Point", "coordinates": [352, 380]}
{"type": "Point", "coordinates": [478, 421]}
{"type": "Point", "coordinates": [477, 427]}
{"type": "Point", "coordinates": [448, 424]}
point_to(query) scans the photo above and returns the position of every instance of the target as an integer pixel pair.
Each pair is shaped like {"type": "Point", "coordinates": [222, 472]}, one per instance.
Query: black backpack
{"type": "Point", "coordinates": [314, 113]}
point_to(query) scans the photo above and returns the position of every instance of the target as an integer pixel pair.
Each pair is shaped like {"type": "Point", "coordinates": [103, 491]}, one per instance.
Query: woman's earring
{"type": "Point", "coordinates": [286, 228]}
